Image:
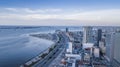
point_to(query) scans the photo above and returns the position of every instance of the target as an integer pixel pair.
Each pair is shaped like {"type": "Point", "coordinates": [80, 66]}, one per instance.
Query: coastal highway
{"type": "Point", "coordinates": [49, 57]}
{"type": "Point", "coordinates": [53, 54]}
{"type": "Point", "coordinates": [52, 58]}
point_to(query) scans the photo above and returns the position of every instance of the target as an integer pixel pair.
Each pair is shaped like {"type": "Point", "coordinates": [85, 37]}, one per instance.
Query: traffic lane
{"type": "Point", "coordinates": [40, 63]}
{"type": "Point", "coordinates": [54, 56]}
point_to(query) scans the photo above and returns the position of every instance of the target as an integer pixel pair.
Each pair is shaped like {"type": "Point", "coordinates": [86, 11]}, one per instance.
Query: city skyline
{"type": "Point", "coordinates": [60, 12]}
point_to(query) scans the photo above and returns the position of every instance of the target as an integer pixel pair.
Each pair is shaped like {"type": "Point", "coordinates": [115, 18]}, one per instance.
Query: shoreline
{"type": "Point", "coordinates": [38, 57]}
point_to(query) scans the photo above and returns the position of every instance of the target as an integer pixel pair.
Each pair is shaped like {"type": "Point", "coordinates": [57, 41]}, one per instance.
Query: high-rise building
{"type": "Point", "coordinates": [66, 29]}
{"type": "Point", "coordinates": [116, 52]}
{"type": "Point", "coordinates": [99, 36]}
{"type": "Point", "coordinates": [87, 34]}
{"type": "Point", "coordinates": [109, 45]}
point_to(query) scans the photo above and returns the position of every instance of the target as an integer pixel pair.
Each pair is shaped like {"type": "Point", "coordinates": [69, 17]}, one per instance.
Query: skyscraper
{"type": "Point", "coordinates": [87, 34]}
{"type": "Point", "coordinates": [99, 36]}
{"type": "Point", "coordinates": [116, 50]}
{"type": "Point", "coordinates": [109, 45]}
{"type": "Point", "coordinates": [66, 29]}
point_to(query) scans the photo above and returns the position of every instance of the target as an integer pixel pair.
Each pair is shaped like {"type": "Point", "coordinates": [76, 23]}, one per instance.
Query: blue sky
{"type": "Point", "coordinates": [53, 12]}
{"type": "Point", "coordinates": [61, 4]}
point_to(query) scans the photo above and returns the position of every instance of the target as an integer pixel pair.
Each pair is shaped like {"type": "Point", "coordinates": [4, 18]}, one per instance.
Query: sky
{"type": "Point", "coordinates": [60, 12]}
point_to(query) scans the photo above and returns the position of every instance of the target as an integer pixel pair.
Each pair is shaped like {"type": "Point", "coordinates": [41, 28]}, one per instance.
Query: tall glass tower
{"type": "Point", "coordinates": [99, 36]}
{"type": "Point", "coordinates": [87, 34]}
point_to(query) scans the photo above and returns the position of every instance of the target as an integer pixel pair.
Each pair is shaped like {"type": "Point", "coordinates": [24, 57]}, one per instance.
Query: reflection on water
{"type": "Point", "coordinates": [17, 47]}
{"type": "Point", "coordinates": [17, 50]}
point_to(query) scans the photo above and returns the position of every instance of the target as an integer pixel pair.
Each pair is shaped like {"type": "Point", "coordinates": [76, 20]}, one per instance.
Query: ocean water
{"type": "Point", "coordinates": [17, 47]}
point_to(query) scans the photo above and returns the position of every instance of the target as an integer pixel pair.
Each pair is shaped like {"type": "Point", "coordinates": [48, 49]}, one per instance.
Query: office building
{"type": "Point", "coordinates": [87, 34]}
{"type": "Point", "coordinates": [99, 36]}
{"type": "Point", "coordinates": [96, 52]}
{"type": "Point", "coordinates": [116, 50]}
{"type": "Point", "coordinates": [109, 45]}
{"type": "Point", "coordinates": [66, 29]}
{"type": "Point", "coordinates": [69, 47]}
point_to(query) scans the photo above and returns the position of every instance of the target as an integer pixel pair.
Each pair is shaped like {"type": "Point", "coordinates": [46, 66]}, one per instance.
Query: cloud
{"type": "Point", "coordinates": [28, 10]}
{"type": "Point", "coordinates": [26, 16]}
{"type": "Point", "coordinates": [100, 15]}
{"type": "Point", "coordinates": [11, 9]}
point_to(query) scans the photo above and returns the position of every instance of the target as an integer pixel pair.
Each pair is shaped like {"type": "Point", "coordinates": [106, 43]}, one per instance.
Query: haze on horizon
{"type": "Point", "coordinates": [60, 12]}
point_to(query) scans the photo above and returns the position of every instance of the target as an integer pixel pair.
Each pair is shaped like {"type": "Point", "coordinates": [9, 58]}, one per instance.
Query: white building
{"type": "Point", "coordinates": [69, 47]}
{"type": "Point", "coordinates": [87, 45]}
{"type": "Point", "coordinates": [75, 56]}
{"type": "Point", "coordinates": [96, 52]}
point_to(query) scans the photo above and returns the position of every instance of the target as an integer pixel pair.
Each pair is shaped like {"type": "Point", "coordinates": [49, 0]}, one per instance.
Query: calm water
{"type": "Point", "coordinates": [17, 47]}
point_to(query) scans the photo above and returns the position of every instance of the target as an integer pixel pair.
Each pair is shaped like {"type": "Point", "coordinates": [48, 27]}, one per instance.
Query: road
{"type": "Point", "coordinates": [63, 39]}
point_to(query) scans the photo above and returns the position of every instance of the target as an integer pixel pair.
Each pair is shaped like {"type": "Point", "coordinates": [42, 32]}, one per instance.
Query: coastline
{"type": "Point", "coordinates": [43, 53]}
